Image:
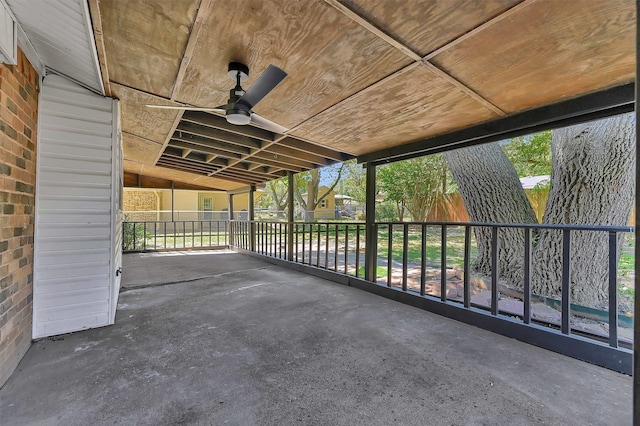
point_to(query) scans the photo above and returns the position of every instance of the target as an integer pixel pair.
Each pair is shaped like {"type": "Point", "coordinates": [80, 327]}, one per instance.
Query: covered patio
{"type": "Point", "coordinates": [220, 337]}
{"type": "Point", "coordinates": [274, 327]}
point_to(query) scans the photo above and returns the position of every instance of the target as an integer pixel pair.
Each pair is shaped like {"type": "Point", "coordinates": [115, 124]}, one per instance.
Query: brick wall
{"type": "Point", "coordinates": [146, 203]}
{"type": "Point", "coordinates": [18, 126]}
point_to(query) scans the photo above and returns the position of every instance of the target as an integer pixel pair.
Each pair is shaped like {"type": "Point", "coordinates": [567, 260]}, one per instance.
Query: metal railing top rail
{"type": "Point", "coordinates": [472, 224]}
{"type": "Point", "coordinates": [178, 221]}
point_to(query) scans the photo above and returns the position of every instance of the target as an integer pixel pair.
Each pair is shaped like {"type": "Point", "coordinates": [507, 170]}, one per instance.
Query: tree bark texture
{"type": "Point", "coordinates": [592, 183]}
{"type": "Point", "coordinates": [492, 193]}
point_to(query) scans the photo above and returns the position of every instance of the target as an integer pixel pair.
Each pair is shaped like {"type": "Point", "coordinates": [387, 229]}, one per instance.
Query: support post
{"type": "Point", "coordinates": [370, 254]}
{"type": "Point", "coordinates": [252, 218]}
{"type": "Point", "coordinates": [636, 329]}
{"type": "Point", "coordinates": [231, 241]}
{"type": "Point", "coordinates": [172, 201]}
{"type": "Point", "coordinates": [290, 216]}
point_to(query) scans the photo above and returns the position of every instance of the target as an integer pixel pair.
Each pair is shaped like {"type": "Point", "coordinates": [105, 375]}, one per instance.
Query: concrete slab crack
{"type": "Point", "coordinates": [130, 287]}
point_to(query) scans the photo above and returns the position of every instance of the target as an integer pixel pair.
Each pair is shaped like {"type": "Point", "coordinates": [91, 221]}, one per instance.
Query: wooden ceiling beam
{"type": "Point", "coordinates": [278, 164]}
{"type": "Point", "coordinates": [236, 150]}
{"type": "Point", "coordinates": [239, 179]}
{"type": "Point", "coordinates": [134, 180]}
{"type": "Point", "coordinates": [204, 167]}
{"type": "Point", "coordinates": [213, 162]}
{"type": "Point", "coordinates": [217, 135]}
{"type": "Point", "coordinates": [244, 170]}
{"type": "Point", "coordinates": [260, 158]}
{"type": "Point", "coordinates": [188, 170]}
{"type": "Point", "coordinates": [280, 150]}
{"type": "Point", "coordinates": [220, 123]}
{"type": "Point", "coordinates": [253, 175]}
{"type": "Point", "coordinates": [189, 161]}
{"type": "Point", "coordinates": [204, 8]}
{"type": "Point", "coordinates": [185, 168]}
{"type": "Point", "coordinates": [239, 170]}
{"type": "Point", "coordinates": [265, 145]}
{"type": "Point", "coordinates": [323, 151]}
{"type": "Point", "coordinates": [267, 158]}
{"type": "Point", "coordinates": [203, 148]}
{"type": "Point", "coordinates": [258, 177]}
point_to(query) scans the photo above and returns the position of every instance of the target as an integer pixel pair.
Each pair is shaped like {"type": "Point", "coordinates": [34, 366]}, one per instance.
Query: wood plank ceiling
{"type": "Point", "coordinates": [364, 75]}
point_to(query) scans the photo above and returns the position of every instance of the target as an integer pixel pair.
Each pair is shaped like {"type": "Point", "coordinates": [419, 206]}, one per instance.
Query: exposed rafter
{"type": "Point", "coordinates": [204, 8]}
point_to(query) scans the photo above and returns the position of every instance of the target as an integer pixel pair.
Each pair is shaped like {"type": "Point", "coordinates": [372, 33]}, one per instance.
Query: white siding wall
{"type": "Point", "coordinates": [74, 275]}
{"type": "Point", "coordinates": [117, 216]}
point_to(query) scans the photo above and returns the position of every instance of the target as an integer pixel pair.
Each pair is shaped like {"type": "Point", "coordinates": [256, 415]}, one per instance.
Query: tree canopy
{"type": "Point", "coordinates": [310, 181]}
{"type": "Point", "coordinates": [413, 185]}
{"type": "Point", "coordinates": [531, 154]}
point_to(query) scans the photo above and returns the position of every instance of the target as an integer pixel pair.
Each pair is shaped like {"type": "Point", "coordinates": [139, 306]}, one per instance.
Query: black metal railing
{"type": "Point", "coordinates": [436, 266]}
{"type": "Point", "coordinates": [434, 260]}
{"type": "Point", "coordinates": [166, 235]}
{"type": "Point", "coordinates": [335, 246]}
{"type": "Point", "coordinates": [405, 258]}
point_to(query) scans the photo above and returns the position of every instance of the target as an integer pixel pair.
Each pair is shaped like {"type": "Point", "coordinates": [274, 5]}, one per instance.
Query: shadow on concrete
{"type": "Point", "coordinates": [224, 338]}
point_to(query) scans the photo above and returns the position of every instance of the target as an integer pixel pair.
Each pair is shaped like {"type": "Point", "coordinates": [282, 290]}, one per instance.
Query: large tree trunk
{"type": "Point", "coordinates": [492, 193]}
{"type": "Point", "coordinates": [592, 183]}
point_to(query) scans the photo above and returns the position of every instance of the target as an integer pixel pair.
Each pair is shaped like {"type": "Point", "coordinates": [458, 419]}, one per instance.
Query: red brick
{"type": "Point", "coordinates": [18, 111]}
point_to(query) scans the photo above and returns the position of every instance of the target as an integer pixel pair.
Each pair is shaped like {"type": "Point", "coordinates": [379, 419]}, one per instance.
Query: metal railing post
{"type": "Point", "coordinates": [613, 289]}
{"type": "Point", "coordinates": [466, 268]}
{"type": "Point", "coordinates": [526, 297]}
{"type": "Point", "coordinates": [443, 263]}
{"type": "Point", "coordinates": [423, 260]}
{"type": "Point", "coordinates": [389, 254]}
{"type": "Point", "coordinates": [231, 230]}
{"type": "Point", "coordinates": [566, 279]}
{"type": "Point", "coordinates": [252, 218]}
{"type": "Point", "coordinates": [370, 217]}
{"type": "Point", "coordinates": [290, 216]}
{"type": "Point", "coordinates": [494, 270]}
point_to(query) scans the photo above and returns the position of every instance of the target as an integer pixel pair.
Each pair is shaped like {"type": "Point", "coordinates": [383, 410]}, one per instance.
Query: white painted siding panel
{"type": "Point", "coordinates": [74, 267]}
{"type": "Point", "coordinates": [118, 215]}
{"type": "Point", "coordinates": [50, 327]}
{"type": "Point", "coordinates": [64, 285]}
{"type": "Point", "coordinates": [60, 32]}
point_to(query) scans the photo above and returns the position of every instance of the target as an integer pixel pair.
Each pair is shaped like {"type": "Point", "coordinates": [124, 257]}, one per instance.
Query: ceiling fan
{"type": "Point", "coordinates": [238, 109]}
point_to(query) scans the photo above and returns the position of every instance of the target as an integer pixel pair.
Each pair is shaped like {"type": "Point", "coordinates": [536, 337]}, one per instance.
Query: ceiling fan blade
{"type": "Point", "coordinates": [267, 124]}
{"type": "Point", "coordinates": [221, 108]}
{"type": "Point", "coordinates": [267, 81]}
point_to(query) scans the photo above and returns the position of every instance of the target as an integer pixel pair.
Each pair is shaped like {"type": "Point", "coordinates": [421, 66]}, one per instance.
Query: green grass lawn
{"type": "Point", "coordinates": [455, 246]}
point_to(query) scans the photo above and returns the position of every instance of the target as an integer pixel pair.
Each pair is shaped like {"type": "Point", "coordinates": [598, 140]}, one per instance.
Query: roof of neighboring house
{"type": "Point", "coordinates": [531, 182]}
{"type": "Point", "coordinates": [343, 197]}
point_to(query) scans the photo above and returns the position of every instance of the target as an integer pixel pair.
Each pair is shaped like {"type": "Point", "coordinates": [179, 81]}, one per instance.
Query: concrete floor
{"type": "Point", "coordinates": [238, 341]}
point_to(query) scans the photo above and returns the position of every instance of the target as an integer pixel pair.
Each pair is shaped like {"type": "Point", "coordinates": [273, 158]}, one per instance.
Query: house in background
{"type": "Point", "coordinates": [348, 206]}
{"type": "Point", "coordinates": [326, 209]}
{"type": "Point", "coordinates": [140, 204]}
